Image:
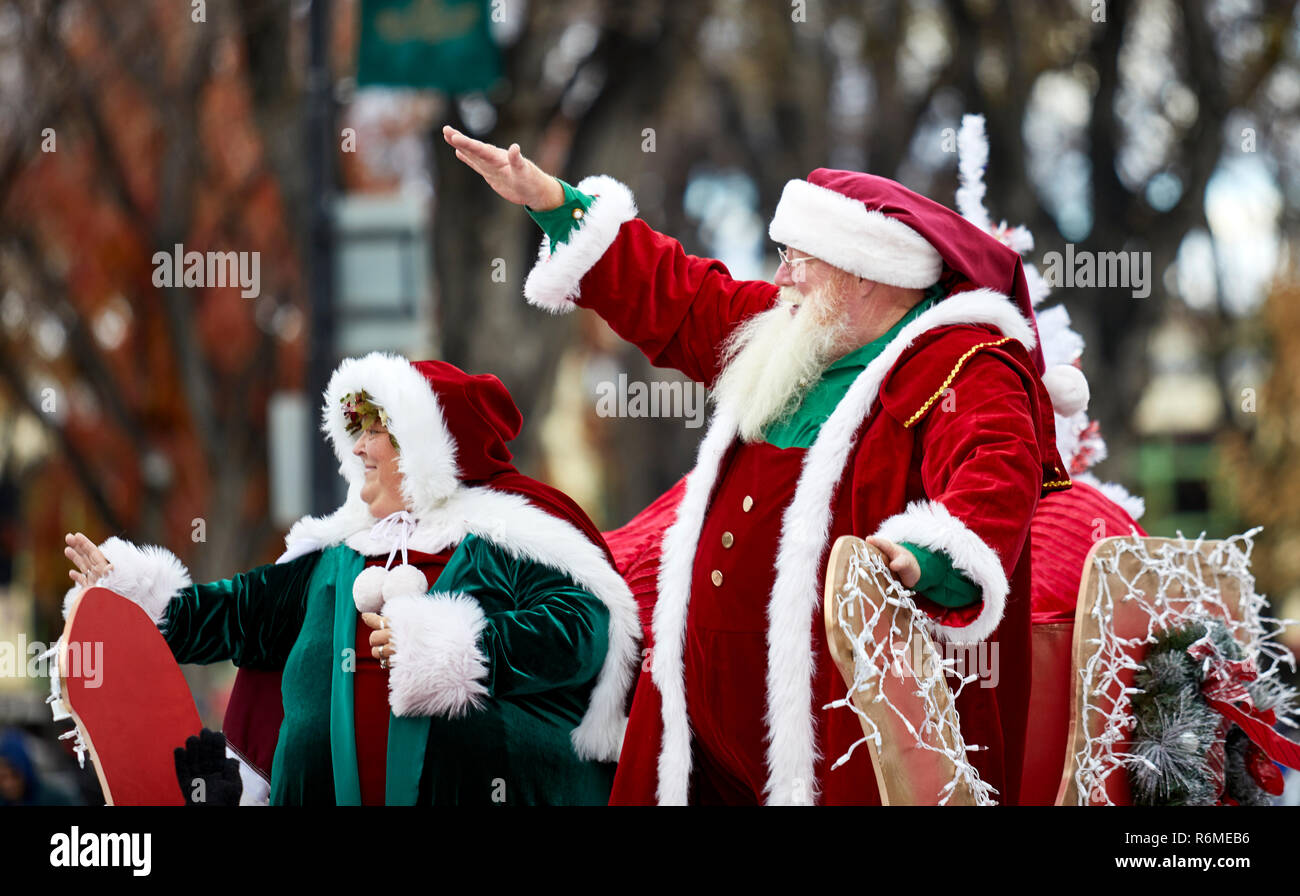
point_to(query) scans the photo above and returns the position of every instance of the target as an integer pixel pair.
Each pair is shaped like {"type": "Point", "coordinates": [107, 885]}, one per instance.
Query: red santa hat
{"type": "Point", "coordinates": [878, 229]}
{"type": "Point", "coordinates": [452, 426]}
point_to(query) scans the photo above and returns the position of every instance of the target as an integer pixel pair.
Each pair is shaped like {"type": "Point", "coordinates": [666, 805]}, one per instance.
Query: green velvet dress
{"type": "Point", "coordinates": [544, 643]}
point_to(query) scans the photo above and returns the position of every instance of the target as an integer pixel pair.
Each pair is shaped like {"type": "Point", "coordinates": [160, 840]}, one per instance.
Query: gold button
{"type": "Point", "coordinates": [577, 214]}
{"type": "Point", "coordinates": [717, 578]}
{"type": "Point", "coordinates": [747, 503]}
{"type": "Point", "coordinates": [728, 539]}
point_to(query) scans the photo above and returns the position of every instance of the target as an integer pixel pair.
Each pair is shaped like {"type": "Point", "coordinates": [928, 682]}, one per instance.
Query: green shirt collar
{"type": "Point", "coordinates": [801, 427]}
{"type": "Point", "coordinates": [861, 357]}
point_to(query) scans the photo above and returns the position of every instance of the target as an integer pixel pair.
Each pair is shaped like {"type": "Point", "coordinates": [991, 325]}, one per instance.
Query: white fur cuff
{"type": "Point", "coordinates": [553, 282]}
{"type": "Point", "coordinates": [928, 524]}
{"type": "Point", "coordinates": [147, 575]}
{"type": "Point", "coordinates": [438, 668]}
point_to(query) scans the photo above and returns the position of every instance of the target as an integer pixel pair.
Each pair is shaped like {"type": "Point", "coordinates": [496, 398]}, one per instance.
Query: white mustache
{"type": "Point", "coordinates": [773, 358]}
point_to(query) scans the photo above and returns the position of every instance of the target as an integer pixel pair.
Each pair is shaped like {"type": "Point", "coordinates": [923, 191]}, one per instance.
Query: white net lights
{"type": "Point", "coordinates": [1141, 588]}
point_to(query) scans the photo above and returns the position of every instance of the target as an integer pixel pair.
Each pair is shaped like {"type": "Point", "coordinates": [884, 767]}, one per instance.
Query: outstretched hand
{"type": "Point", "coordinates": [91, 563]}
{"type": "Point", "coordinates": [902, 562]}
{"type": "Point", "coordinates": [513, 177]}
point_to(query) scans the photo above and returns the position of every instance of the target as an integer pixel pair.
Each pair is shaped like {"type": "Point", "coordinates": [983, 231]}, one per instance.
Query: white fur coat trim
{"type": "Point", "coordinates": [438, 667]}
{"type": "Point", "coordinates": [669, 621]}
{"type": "Point", "coordinates": [553, 282]}
{"type": "Point", "coordinates": [147, 575]}
{"type": "Point", "coordinates": [928, 524]}
{"type": "Point", "coordinates": [805, 531]}
{"type": "Point", "coordinates": [526, 532]}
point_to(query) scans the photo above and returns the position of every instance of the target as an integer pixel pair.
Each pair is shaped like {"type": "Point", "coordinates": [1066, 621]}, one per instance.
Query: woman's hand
{"type": "Point", "coordinates": [507, 171]}
{"type": "Point", "coordinates": [902, 562]}
{"type": "Point", "coordinates": [381, 639]}
{"type": "Point", "coordinates": [91, 563]}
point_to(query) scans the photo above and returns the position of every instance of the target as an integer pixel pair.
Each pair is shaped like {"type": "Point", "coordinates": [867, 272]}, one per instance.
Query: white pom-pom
{"type": "Point", "coordinates": [1068, 389]}
{"type": "Point", "coordinates": [404, 579]}
{"type": "Point", "coordinates": [368, 589]}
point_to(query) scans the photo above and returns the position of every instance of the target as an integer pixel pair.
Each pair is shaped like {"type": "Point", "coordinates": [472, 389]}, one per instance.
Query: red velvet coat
{"type": "Point", "coordinates": [946, 440]}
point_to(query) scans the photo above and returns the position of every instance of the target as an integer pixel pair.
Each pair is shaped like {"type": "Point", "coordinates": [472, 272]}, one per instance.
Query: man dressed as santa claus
{"type": "Point", "coordinates": [887, 385]}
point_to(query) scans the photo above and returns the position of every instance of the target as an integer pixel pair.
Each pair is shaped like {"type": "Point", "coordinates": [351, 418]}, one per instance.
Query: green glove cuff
{"type": "Point", "coordinates": [560, 222]}
{"type": "Point", "coordinates": [939, 581]}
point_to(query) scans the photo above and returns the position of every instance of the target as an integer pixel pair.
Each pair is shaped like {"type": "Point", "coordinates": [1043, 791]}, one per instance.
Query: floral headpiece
{"type": "Point", "coordinates": [361, 413]}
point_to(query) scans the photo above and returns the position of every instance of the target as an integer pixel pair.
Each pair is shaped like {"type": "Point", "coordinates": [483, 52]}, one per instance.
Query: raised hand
{"type": "Point", "coordinates": [91, 563]}
{"type": "Point", "coordinates": [507, 171]}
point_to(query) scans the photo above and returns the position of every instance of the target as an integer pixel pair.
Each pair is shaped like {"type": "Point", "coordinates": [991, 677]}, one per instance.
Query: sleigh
{"type": "Point", "coordinates": [1084, 741]}
{"type": "Point", "coordinates": [906, 707]}
{"type": "Point", "coordinates": [1097, 606]}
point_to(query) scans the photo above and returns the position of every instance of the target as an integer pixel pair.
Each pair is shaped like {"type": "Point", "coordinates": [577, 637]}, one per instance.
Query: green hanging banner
{"type": "Point", "coordinates": [437, 44]}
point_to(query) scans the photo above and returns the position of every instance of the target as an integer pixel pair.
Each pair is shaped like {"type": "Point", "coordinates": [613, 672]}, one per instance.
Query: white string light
{"type": "Point", "coordinates": [1186, 588]}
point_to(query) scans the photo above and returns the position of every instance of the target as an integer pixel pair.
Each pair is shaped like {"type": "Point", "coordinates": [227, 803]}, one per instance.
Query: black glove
{"type": "Point", "coordinates": [206, 775]}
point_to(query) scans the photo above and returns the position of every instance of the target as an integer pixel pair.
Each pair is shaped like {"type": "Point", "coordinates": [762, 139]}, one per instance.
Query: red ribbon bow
{"type": "Point", "coordinates": [1224, 688]}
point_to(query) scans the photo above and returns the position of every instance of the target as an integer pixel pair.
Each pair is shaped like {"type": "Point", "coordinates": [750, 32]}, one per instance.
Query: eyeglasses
{"type": "Point", "coordinates": [784, 254]}
{"type": "Point", "coordinates": [796, 265]}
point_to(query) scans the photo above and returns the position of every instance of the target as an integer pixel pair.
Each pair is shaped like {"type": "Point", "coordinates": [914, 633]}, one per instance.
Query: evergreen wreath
{"type": "Point", "coordinates": [1184, 752]}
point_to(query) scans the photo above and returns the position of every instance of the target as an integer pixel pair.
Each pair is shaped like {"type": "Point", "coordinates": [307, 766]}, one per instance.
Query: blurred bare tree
{"type": "Point", "coordinates": [129, 128]}
{"type": "Point", "coordinates": [1107, 121]}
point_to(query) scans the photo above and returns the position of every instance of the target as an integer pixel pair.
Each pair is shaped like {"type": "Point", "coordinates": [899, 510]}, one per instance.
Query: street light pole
{"type": "Point", "coordinates": [320, 137]}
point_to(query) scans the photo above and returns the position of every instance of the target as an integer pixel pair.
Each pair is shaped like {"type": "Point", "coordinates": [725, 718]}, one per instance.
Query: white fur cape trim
{"type": "Point", "coordinates": [928, 524]}
{"type": "Point", "coordinates": [805, 532]}
{"type": "Point", "coordinates": [553, 282]}
{"type": "Point", "coordinates": [526, 532]}
{"type": "Point", "coordinates": [845, 233]}
{"type": "Point", "coordinates": [438, 668]}
{"type": "Point", "coordinates": [428, 463]}
{"type": "Point", "coordinates": [352, 524]}
{"type": "Point", "coordinates": [147, 575]}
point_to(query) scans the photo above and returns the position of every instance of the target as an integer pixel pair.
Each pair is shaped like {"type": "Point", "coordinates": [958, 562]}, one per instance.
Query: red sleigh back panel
{"type": "Point", "coordinates": [1065, 526]}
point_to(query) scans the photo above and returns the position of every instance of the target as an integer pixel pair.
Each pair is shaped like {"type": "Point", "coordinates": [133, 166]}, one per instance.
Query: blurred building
{"type": "Point", "coordinates": [1177, 419]}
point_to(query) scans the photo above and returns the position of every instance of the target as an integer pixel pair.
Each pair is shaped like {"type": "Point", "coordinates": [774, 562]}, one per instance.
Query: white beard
{"type": "Point", "coordinates": [774, 357]}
